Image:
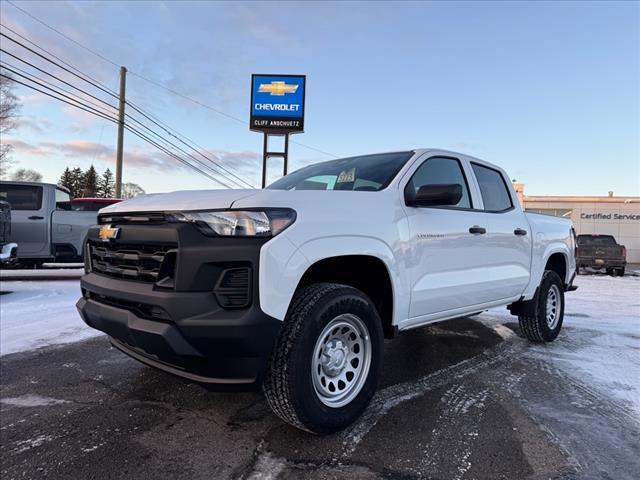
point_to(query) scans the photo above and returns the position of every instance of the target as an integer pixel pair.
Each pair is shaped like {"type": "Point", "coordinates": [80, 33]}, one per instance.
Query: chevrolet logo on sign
{"type": "Point", "coordinates": [278, 89]}
{"type": "Point", "coordinates": [107, 233]}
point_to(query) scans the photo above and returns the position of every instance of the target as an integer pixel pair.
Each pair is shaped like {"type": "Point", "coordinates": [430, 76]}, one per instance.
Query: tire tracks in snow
{"type": "Point", "coordinates": [392, 396]}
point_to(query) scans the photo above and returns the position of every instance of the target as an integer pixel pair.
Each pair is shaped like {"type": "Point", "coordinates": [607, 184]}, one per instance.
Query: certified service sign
{"type": "Point", "coordinates": [277, 103]}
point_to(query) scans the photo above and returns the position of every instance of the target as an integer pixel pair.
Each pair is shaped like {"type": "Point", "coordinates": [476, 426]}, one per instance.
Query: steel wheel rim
{"type": "Point", "coordinates": [341, 360]}
{"type": "Point", "coordinates": [553, 306]}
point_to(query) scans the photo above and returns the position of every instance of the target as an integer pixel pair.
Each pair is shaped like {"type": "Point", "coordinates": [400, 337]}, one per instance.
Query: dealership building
{"type": "Point", "coordinates": [610, 215]}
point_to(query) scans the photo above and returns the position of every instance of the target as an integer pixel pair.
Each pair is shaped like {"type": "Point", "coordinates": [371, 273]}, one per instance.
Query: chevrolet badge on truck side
{"type": "Point", "coordinates": [295, 287]}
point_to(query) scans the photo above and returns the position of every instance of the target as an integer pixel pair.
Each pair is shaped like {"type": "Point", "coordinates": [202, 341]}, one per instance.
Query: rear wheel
{"type": "Point", "coordinates": [326, 362]}
{"type": "Point", "coordinates": [620, 271]}
{"type": "Point", "coordinates": [544, 324]}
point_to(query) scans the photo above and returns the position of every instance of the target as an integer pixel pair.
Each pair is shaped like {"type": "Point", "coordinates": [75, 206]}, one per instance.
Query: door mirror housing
{"type": "Point", "coordinates": [435, 195]}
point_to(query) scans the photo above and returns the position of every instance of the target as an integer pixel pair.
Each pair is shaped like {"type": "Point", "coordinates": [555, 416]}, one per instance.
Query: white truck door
{"type": "Point", "coordinates": [29, 222]}
{"type": "Point", "coordinates": [508, 249]}
{"type": "Point", "coordinates": [448, 246]}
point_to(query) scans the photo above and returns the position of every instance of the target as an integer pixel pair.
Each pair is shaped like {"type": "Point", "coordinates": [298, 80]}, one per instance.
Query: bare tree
{"type": "Point", "coordinates": [130, 190]}
{"type": "Point", "coordinates": [9, 109]}
{"type": "Point", "coordinates": [26, 175]}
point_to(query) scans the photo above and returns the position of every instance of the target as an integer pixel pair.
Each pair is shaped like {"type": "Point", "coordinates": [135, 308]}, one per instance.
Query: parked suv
{"type": "Point", "coordinates": [601, 251]}
{"type": "Point", "coordinates": [294, 287]}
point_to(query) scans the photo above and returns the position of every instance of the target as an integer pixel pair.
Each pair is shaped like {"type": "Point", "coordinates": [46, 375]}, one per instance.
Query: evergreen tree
{"type": "Point", "coordinates": [77, 182]}
{"type": "Point", "coordinates": [66, 180]}
{"type": "Point", "coordinates": [106, 185]}
{"type": "Point", "coordinates": [90, 183]}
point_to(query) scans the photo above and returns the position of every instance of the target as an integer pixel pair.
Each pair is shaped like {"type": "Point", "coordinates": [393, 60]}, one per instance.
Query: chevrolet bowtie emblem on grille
{"type": "Point", "coordinates": [277, 88]}
{"type": "Point", "coordinates": [107, 233]}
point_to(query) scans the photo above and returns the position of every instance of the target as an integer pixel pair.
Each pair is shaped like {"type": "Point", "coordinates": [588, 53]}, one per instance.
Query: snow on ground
{"type": "Point", "coordinates": [600, 340]}
{"type": "Point", "coordinates": [40, 313]}
{"type": "Point", "coordinates": [599, 344]}
{"type": "Point", "coordinates": [41, 273]}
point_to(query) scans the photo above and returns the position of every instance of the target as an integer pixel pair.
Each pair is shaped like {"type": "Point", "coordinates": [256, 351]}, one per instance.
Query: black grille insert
{"type": "Point", "coordinates": [142, 310]}
{"type": "Point", "coordinates": [129, 261]}
{"type": "Point", "coordinates": [233, 289]}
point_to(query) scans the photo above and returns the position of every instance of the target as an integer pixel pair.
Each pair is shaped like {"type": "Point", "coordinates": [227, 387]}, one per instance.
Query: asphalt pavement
{"type": "Point", "coordinates": [457, 400]}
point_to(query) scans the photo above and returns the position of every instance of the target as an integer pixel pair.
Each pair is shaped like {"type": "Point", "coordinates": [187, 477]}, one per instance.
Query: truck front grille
{"type": "Point", "coordinates": [129, 261]}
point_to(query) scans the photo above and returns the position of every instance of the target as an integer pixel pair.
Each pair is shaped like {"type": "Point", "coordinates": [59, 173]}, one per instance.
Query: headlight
{"type": "Point", "coordinates": [239, 223]}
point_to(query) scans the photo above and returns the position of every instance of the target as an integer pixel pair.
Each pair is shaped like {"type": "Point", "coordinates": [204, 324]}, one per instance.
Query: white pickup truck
{"type": "Point", "coordinates": [295, 287]}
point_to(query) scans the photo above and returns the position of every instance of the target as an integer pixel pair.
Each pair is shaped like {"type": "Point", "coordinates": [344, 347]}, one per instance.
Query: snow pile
{"type": "Point", "coordinates": [41, 274]}
{"type": "Point", "coordinates": [36, 314]}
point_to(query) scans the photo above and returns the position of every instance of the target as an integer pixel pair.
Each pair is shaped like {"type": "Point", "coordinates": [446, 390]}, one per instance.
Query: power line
{"type": "Point", "coordinates": [60, 33]}
{"type": "Point", "coordinates": [57, 78]}
{"type": "Point", "coordinates": [171, 154]}
{"type": "Point", "coordinates": [112, 92]}
{"type": "Point", "coordinates": [188, 154]}
{"type": "Point", "coordinates": [56, 64]}
{"type": "Point", "coordinates": [167, 129]}
{"type": "Point", "coordinates": [29, 78]}
{"type": "Point", "coordinates": [106, 90]}
{"type": "Point", "coordinates": [153, 82]}
{"type": "Point", "coordinates": [86, 106]}
{"type": "Point", "coordinates": [93, 111]}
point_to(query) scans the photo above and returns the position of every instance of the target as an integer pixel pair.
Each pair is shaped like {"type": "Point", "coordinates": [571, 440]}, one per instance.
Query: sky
{"type": "Point", "coordinates": [550, 91]}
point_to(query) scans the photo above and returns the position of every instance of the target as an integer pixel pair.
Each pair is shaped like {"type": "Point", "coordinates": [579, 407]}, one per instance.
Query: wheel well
{"type": "Point", "coordinates": [367, 274]}
{"type": "Point", "coordinates": [558, 264]}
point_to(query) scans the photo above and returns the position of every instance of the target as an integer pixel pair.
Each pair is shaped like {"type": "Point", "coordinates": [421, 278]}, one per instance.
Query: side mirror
{"type": "Point", "coordinates": [436, 195]}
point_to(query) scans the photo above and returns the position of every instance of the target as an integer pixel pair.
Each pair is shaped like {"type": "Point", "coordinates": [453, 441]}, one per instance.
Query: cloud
{"type": "Point", "coordinates": [244, 163]}
{"type": "Point", "coordinates": [85, 152]}
{"type": "Point", "coordinates": [35, 124]}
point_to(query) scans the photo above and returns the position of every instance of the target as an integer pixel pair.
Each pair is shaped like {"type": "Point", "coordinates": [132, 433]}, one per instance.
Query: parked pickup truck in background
{"type": "Point", "coordinates": [294, 287]}
{"type": "Point", "coordinates": [601, 251]}
{"type": "Point", "coordinates": [43, 224]}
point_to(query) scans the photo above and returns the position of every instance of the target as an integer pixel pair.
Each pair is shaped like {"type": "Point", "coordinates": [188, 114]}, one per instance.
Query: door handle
{"type": "Point", "coordinates": [519, 231]}
{"type": "Point", "coordinates": [476, 230]}
{"type": "Point", "coordinates": [36, 217]}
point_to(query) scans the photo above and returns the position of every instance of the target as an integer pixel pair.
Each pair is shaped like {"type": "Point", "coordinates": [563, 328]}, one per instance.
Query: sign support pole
{"type": "Point", "coordinates": [267, 154]}
{"type": "Point", "coordinates": [264, 160]}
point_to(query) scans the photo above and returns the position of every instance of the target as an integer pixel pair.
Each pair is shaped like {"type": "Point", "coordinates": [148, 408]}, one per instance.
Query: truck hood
{"type": "Point", "coordinates": [177, 201]}
{"type": "Point", "coordinates": [333, 200]}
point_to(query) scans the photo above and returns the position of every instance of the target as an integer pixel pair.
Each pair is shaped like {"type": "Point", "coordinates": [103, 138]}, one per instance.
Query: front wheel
{"type": "Point", "coordinates": [325, 365]}
{"type": "Point", "coordinates": [544, 324]}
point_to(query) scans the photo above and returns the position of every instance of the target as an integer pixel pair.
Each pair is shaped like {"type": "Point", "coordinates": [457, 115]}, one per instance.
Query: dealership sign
{"type": "Point", "coordinates": [277, 103]}
{"type": "Point", "coordinates": [609, 216]}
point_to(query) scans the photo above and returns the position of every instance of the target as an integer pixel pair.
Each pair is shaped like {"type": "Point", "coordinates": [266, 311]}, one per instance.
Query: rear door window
{"type": "Point", "coordinates": [22, 197]}
{"type": "Point", "coordinates": [493, 188]}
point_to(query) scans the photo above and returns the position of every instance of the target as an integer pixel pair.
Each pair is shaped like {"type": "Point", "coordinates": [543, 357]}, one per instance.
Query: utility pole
{"type": "Point", "coordinates": [123, 81]}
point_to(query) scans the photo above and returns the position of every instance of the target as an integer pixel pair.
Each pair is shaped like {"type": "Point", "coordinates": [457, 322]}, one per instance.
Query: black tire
{"type": "Point", "coordinates": [611, 272]}
{"type": "Point", "coordinates": [289, 386]}
{"type": "Point", "coordinates": [535, 327]}
{"type": "Point", "coordinates": [620, 271]}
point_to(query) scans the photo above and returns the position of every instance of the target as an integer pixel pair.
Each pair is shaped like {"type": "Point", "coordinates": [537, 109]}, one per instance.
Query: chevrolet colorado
{"type": "Point", "coordinates": [295, 287]}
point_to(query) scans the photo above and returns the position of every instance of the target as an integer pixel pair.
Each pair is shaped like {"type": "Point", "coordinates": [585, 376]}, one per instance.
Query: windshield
{"type": "Point", "coordinates": [599, 240]}
{"type": "Point", "coordinates": [368, 173]}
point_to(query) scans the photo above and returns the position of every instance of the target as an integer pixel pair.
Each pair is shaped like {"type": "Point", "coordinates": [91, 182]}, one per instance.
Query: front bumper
{"type": "Point", "coordinates": [184, 330]}
{"type": "Point", "coordinates": [204, 343]}
{"type": "Point", "coordinates": [9, 253]}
